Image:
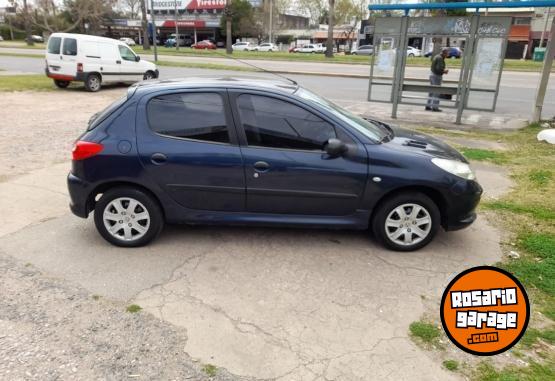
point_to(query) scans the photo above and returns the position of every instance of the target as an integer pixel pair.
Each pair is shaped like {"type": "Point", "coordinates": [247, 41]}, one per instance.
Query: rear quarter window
{"type": "Point", "coordinates": [54, 45]}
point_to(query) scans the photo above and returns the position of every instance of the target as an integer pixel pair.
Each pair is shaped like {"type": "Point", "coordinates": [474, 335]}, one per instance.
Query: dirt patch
{"type": "Point", "coordinates": [39, 128]}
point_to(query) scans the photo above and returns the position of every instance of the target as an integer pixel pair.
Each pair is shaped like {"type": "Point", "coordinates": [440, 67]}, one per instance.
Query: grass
{"type": "Point", "coordinates": [200, 65]}
{"type": "Point", "coordinates": [533, 372]}
{"type": "Point", "coordinates": [532, 335]}
{"type": "Point", "coordinates": [483, 154]}
{"type": "Point", "coordinates": [451, 365]}
{"type": "Point", "coordinates": [210, 370]}
{"type": "Point", "coordinates": [133, 308]}
{"type": "Point", "coordinates": [26, 82]}
{"type": "Point", "coordinates": [425, 333]}
{"type": "Point", "coordinates": [540, 177]}
{"type": "Point", "coordinates": [536, 211]}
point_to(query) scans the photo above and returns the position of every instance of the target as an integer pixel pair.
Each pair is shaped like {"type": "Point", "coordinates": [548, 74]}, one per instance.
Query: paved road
{"type": "Point", "coordinates": [516, 95]}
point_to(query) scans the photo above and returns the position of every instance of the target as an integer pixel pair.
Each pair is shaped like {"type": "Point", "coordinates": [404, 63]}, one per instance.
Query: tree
{"type": "Point", "coordinates": [329, 42]}
{"type": "Point", "coordinates": [133, 7]}
{"type": "Point", "coordinates": [316, 10]}
{"type": "Point", "coordinates": [27, 21]}
{"type": "Point", "coordinates": [144, 24]}
{"type": "Point", "coordinates": [239, 21]}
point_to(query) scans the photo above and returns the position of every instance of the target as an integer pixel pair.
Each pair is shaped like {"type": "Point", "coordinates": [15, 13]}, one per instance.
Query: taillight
{"type": "Point", "coordinates": [79, 67]}
{"type": "Point", "coordinates": [83, 150]}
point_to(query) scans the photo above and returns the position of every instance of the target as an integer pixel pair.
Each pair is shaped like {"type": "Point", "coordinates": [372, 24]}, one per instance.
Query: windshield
{"type": "Point", "coordinates": [369, 129]}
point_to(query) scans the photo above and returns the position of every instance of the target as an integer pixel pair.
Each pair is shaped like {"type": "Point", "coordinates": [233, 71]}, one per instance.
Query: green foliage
{"type": "Point", "coordinates": [451, 365]}
{"type": "Point", "coordinates": [426, 332]}
{"type": "Point", "coordinates": [483, 154]}
{"type": "Point", "coordinates": [133, 308]}
{"type": "Point", "coordinates": [532, 335]}
{"type": "Point", "coordinates": [210, 370]}
{"type": "Point", "coordinates": [25, 82]}
{"type": "Point", "coordinates": [538, 244]}
{"type": "Point", "coordinates": [540, 177]}
{"type": "Point", "coordinates": [533, 372]}
{"type": "Point", "coordinates": [242, 20]}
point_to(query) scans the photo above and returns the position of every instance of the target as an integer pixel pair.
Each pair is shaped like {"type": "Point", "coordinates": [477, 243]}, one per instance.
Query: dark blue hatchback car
{"type": "Point", "coordinates": [263, 152]}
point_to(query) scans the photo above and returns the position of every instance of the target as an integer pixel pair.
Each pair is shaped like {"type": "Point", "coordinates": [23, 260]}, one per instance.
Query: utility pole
{"type": "Point", "coordinates": [228, 39]}
{"type": "Point", "coordinates": [546, 71]}
{"type": "Point", "coordinates": [153, 30]}
{"type": "Point", "coordinates": [545, 26]}
{"type": "Point", "coordinates": [176, 28]}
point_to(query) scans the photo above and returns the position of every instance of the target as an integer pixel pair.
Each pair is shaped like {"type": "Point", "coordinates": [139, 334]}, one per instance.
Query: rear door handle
{"type": "Point", "coordinates": [158, 159]}
{"type": "Point", "coordinates": [261, 166]}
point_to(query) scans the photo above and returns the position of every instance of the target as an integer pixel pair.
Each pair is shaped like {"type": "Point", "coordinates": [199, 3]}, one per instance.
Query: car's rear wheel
{"type": "Point", "coordinates": [128, 217]}
{"type": "Point", "coordinates": [61, 84]}
{"type": "Point", "coordinates": [93, 82]}
{"type": "Point", "coordinates": [406, 222]}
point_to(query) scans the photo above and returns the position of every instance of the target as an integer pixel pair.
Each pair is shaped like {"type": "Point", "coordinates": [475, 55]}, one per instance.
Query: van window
{"type": "Point", "coordinates": [54, 45]}
{"type": "Point", "coordinates": [198, 116]}
{"type": "Point", "coordinates": [126, 53]}
{"type": "Point", "coordinates": [70, 47]}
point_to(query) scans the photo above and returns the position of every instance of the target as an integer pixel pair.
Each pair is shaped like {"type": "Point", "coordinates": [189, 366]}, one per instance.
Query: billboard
{"type": "Point", "coordinates": [191, 5]}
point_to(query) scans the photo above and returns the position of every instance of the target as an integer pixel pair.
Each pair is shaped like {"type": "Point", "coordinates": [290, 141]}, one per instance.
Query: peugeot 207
{"type": "Point", "coordinates": [262, 152]}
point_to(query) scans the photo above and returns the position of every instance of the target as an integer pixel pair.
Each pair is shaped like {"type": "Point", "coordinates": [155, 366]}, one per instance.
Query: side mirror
{"type": "Point", "coordinates": [335, 147]}
{"type": "Point", "coordinates": [137, 58]}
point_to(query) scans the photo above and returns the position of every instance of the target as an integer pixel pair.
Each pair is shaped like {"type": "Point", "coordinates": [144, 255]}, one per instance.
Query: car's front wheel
{"type": "Point", "coordinates": [149, 75]}
{"type": "Point", "coordinates": [61, 84]}
{"type": "Point", "coordinates": [406, 222]}
{"type": "Point", "coordinates": [128, 217]}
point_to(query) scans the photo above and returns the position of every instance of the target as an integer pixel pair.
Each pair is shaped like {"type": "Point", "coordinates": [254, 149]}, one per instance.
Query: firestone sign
{"type": "Point", "coordinates": [191, 5]}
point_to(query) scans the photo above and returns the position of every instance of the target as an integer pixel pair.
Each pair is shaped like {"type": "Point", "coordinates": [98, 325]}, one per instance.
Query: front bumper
{"type": "Point", "coordinates": [461, 203]}
{"type": "Point", "coordinates": [79, 191]}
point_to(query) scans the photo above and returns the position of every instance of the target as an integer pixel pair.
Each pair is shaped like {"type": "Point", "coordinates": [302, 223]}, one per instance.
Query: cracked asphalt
{"type": "Point", "coordinates": [278, 304]}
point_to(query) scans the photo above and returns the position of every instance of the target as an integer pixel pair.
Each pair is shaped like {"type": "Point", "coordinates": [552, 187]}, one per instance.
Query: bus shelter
{"type": "Point", "coordinates": [474, 86]}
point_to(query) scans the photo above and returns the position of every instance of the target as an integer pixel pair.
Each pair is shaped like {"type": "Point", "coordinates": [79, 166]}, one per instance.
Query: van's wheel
{"type": "Point", "coordinates": [406, 222]}
{"type": "Point", "coordinates": [61, 84]}
{"type": "Point", "coordinates": [93, 82]}
{"type": "Point", "coordinates": [149, 75]}
{"type": "Point", "coordinates": [128, 217]}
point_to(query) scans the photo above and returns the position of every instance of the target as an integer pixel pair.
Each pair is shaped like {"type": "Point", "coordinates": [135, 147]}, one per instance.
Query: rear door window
{"type": "Point", "coordinates": [69, 47]}
{"type": "Point", "coordinates": [54, 45]}
{"type": "Point", "coordinates": [198, 116]}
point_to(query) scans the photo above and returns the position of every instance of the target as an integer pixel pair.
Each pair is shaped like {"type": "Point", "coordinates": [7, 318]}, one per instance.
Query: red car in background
{"type": "Point", "coordinates": [204, 45]}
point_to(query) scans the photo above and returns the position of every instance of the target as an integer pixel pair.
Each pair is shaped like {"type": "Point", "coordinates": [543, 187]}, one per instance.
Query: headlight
{"type": "Point", "coordinates": [457, 168]}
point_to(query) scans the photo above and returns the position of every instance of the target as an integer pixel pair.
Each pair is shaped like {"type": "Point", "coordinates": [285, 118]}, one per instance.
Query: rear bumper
{"type": "Point", "coordinates": [59, 77]}
{"type": "Point", "coordinates": [79, 191]}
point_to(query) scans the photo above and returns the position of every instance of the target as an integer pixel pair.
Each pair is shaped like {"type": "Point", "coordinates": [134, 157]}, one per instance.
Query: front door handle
{"type": "Point", "coordinates": [158, 159]}
{"type": "Point", "coordinates": [118, 62]}
{"type": "Point", "coordinates": [261, 166]}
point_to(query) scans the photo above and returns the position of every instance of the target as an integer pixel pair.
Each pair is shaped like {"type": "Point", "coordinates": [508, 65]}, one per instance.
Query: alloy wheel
{"type": "Point", "coordinates": [408, 224]}
{"type": "Point", "coordinates": [126, 219]}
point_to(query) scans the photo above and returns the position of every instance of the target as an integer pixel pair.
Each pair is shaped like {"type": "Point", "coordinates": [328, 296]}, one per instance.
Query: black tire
{"type": "Point", "coordinates": [389, 205]}
{"type": "Point", "coordinates": [93, 83]}
{"type": "Point", "coordinates": [153, 227]}
{"type": "Point", "coordinates": [149, 75]}
{"type": "Point", "coordinates": [61, 84]}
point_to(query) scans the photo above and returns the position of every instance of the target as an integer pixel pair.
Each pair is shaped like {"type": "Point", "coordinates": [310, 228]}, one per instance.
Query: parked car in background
{"type": "Point", "coordinates": [266, 47]}
{"type": "Point", "coordinates": [128, 41]}
{"type": "Point", "coordinates": [311, 48]}
{"type": "Point", "coordinates": [363, 50]}
{"type": "Point", "coordinates": [294, 49]}
{"type": "Point", "coordinates": [232, 150]}
{"type": "Point", "coordinates": [205, 44]}
{"type": "Point", "coordinates": [454, 52]}
{"type": "Point", "coordinates": [413, 52]}
{"type": "Point", "coordinates": [94, 61]}
{"type": "Point", "coordinates": [183, 39]}
{"type": "Point", "coordinates": [1, 38]}
{"type": "Point", "coordinates": [243, 46]}
{"type": "Point", "coordinates": [37, 38]}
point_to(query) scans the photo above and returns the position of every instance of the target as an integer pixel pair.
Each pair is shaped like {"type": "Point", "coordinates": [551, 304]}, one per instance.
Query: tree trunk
{"type": "Point", "coordinates": [228, 37]}
{"type": "Point", "coordinates": [329, 42]}
{"type": "Point", "coordinates": [28, 30]}
{"type": "Point", "coordinates": [146, 42]}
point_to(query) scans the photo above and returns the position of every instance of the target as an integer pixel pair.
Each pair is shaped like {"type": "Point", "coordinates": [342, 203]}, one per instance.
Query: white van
{"type": "Point", "coordinates": [94, 61]}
